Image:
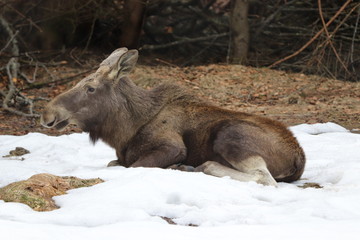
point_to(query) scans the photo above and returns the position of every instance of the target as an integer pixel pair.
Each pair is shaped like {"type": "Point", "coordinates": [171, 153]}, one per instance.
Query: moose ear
{"type": "Point", "coordinates": [127, 62]}
{"type": "Point", "coordinates": [124, 64]}
{"type": "Point", "coordinates": [113, 58]}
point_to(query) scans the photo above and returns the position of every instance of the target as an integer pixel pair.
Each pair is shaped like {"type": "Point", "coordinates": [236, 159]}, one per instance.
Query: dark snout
{"type": "Point", "coordinates": [48, 120]}
{"type": "Point", "coordinates": [54, 117]}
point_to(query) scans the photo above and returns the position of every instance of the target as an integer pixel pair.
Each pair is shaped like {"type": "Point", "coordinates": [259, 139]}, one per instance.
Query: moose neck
{"type": "Point", "coordinates": [138, 106]}
{"type": "Point", "coordinates": [141, 104]}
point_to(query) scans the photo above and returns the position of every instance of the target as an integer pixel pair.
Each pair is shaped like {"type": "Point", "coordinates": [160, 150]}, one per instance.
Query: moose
{"type": "Point", "coordinates": [167, 127]}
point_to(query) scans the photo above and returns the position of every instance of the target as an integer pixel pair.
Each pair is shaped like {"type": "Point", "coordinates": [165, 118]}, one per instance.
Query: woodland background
{"type": "Point", "coordinates": [222, 50]}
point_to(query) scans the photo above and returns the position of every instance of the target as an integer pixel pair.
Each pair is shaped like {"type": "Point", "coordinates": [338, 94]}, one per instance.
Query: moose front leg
{"type": "Point", "coordinates": [114, 163]}
{"type": "Point", "coordinates": [182, 167]}
{"type": "Point", "coordinates": [161, 157]}
{"type": "Point", "coordinates": [120, 161]}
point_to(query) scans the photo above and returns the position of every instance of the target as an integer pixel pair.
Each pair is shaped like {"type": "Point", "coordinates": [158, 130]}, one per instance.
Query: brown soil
{"type": "Point", "coordinates": [292, 98]}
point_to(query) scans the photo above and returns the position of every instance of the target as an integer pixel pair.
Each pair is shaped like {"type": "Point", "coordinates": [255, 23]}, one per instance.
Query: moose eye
{"type": "Point", "coordinates": [91, 89]}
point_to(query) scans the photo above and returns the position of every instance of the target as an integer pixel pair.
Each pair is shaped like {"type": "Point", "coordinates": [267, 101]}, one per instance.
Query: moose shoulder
{"type": "Point", "coordinates": [166, 127]}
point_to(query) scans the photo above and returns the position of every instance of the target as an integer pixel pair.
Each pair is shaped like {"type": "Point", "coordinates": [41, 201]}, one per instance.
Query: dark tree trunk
{"type": "Point", "coordinates": [239, 28]}
{"type": "Point", "coordinates": [134, 18]}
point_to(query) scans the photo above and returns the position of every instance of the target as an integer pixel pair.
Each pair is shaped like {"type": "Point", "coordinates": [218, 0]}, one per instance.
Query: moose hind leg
{"type": "Point", "coordinates": [218, 170]}
{"type": "Point", "coordinates": [239, 149]}
{"type": "Point", "coordinates": [256, 166]}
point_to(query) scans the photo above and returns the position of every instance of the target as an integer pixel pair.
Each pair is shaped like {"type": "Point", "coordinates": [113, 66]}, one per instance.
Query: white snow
{"type": "Point", "coordinates": [128, 204]}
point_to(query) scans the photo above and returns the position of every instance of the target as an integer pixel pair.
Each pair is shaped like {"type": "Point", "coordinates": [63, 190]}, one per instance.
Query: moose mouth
{"type": "Point", "coordinates": [58, 125]}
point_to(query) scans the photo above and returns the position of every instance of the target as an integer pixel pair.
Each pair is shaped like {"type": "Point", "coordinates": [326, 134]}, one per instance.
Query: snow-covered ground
{"type": "Point", "coordinates": [129, 203]}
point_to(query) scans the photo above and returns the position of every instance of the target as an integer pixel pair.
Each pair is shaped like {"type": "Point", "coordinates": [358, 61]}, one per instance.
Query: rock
{"type": "Point", "coordinates": [19, 151]}
{"type": "Point", "coordinates": [310, 185]}
{"type": "Point", "coordinates": [38, 190]}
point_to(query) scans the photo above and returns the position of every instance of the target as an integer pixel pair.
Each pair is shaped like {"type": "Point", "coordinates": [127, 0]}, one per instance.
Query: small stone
{"type": "Point", "coordinates": [311, 185]}
{"type": "Point", "coordinates": [19, 151]}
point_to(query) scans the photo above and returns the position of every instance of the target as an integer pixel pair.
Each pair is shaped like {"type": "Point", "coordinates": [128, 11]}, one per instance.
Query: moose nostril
{"type": "Point", "coordinates": [50, 124]}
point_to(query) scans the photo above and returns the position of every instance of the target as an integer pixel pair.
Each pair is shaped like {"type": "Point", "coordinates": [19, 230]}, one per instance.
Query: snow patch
{"type": "Point", "coordinates": [130, 204]}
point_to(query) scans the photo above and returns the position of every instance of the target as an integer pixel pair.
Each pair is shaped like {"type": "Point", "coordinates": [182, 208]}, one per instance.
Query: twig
{"type": "Point", "coordinates": [74, 57]}
{"type": "Point", "coordinates": [59, 81]}
{"type": "Point", "coordinates": [313, 38]}
{"type": "Point", "coordinates": [25, 17]}
{"type": "Point", "coordinates": [91, 33]}
{"type": "Point", "coordinates": [353, 37]}
{"type": "Point", "coordinates": [214, 19]}
{"type": "Point", "coordinates": [93, 25]}
{"type": "Point", "coordinates": [182, 41]}
{"type": "Point", "coordinates": [165, 62]}
{"type": "Point", "coordinates": [35, 72]}
{"type": "Point", "coordinates": [47, 70]}
{"type": "Point", "coordinates": [271, 17]}
{"type": "Point", "coordinates": [23, 75]}
{"type": "Point", "coordinates": [9, 42]}
{"type": "Point", "coordinates": [330, 36]}
{"type": "Point", "coordinates": [12, 66]}
{"type": "Point", "coordinates": [198, 54]}
{"type": "Point", "coordinates": [13, 69]}
{"type": "Point", "coordinates": [326, 42]}
{"type": "Point", "coordinates": [20, 113]}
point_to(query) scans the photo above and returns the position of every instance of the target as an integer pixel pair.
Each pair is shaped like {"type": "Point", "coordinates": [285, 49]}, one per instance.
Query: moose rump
{"type": "Point", "coordinates": [167, 127]}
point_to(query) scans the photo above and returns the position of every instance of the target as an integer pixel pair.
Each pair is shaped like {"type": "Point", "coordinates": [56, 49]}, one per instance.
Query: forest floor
{"type": "Point", "coordinates": [292, 98]}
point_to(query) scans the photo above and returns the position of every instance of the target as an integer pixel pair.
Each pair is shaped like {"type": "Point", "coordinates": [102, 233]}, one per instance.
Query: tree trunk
{"type": "Point", "coordinates": [134, 17]}
{"type": "Point", "coordinates": [239, 32]}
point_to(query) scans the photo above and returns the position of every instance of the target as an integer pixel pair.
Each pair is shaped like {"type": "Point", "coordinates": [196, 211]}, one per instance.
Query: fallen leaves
{"type": "Point", "coordinates": [292, 98]}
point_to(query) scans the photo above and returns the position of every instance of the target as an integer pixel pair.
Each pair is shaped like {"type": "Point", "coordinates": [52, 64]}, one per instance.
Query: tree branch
{"type": "Point", "coordinates": [353, 37]}
{"type": "Point", "coordinates": [329, 37]}
{"type": "Point", "coordinates": [61, 80]}
{"type": "Point", "coordinates": [313, 38]}
{"type": "Point", "coordinates": [182, 41]}
{"type": "Point", "coordinates": [13, 70]}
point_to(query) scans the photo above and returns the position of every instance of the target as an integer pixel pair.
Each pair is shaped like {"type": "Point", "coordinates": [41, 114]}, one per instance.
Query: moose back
{"type": "Point", "coordinates": [167, 127]}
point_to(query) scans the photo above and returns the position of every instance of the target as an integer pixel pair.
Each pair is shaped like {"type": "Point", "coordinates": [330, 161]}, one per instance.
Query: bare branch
{"type": "Point", "coordinates": [25, 17]}
{"type": "Point", "coordinates": [313, 38]}
{"type": "Point", "coordinates": [13, 70]}
{"type": "Point", "coordinates": [20, 113]}
{"type": "Point", "coordinates": [354, 34]}
{"type": "Point", "coordinates": [271, 17]}
{"type": "Point", "coordinates": [182, 41]}
{"type": "Point", "coordinates": [9, 42]}
{"type": "Point", "coordinates": [61, 80]}
{"type": "Point", "coordinates": [330, 36]}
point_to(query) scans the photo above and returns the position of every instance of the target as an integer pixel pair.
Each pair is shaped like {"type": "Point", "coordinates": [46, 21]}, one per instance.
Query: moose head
{"type": "Point", "coordinates": [89, 102]}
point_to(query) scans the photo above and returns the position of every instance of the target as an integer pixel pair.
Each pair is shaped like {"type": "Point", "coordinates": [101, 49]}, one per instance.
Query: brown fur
{"type": "Point", "coordinates": [167, 125]}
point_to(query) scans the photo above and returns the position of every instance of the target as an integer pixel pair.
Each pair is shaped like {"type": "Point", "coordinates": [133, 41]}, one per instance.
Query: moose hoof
{"type": "Point", "coordinates": [207, 167]}
{"type": "Point", "coordinates": [114, 163]}
{"type": "Point", "coordinates": [267, 182]}
{"type": "Point", "coordinates": [264, 178]}
{"type": "Point", "coordinates": [181, 167]}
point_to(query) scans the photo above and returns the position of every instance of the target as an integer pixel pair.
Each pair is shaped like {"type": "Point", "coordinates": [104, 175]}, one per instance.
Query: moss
{"type": "Point", "coordinates": [38, 190]}
{"type": "Point", "coordinates": [78, 182]}
{"type": "Point", "coordinates": [35, 202]}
